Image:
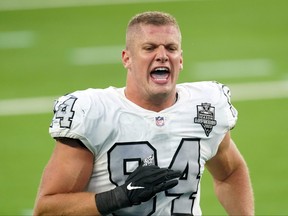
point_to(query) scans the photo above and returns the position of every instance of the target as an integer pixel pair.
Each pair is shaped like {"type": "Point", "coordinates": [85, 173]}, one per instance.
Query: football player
{"type": "Point", "coordinates": [142, 149]}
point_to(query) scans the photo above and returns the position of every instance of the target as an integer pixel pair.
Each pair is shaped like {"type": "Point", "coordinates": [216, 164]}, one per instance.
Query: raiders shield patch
{"type": "Point", "coordinates": [206, 117]}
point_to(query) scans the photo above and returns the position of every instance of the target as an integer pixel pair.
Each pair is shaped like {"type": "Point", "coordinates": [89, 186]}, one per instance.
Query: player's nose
{"type": "Point", "coordinates": [161, 55]}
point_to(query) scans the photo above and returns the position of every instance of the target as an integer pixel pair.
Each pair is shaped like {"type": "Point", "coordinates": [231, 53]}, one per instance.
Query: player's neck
{"type": "Point", "coordinates": [156, 103]}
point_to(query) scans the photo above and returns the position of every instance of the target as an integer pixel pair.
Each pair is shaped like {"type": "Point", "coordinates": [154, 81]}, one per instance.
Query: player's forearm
{"type": "Point", "coordinates": [82, 203]}
{"type": "Point", "coordinates": [235, 192]}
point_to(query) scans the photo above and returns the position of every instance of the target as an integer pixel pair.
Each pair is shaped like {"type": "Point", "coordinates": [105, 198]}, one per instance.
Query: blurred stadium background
{"type": "Point", "coordinates": [49, 48]}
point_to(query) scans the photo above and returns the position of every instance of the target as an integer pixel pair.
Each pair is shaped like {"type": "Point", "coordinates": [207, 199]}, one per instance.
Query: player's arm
{"type": "Point", "coordinates": [231, 179]}
{"type": "Point", "coordinates": [68, 172]}
{"type": "Point", "coordinates": [64, 180]}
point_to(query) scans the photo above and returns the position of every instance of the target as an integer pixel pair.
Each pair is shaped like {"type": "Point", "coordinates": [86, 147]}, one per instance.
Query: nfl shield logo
{"type": "Point", "coordinates": [159, 121]}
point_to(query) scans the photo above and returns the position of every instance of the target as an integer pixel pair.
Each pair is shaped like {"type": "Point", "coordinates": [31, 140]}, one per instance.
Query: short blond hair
{"type": "Point", "coordinates": [156, 18]}
{"type": "Point", "coordinates": [153, 18]}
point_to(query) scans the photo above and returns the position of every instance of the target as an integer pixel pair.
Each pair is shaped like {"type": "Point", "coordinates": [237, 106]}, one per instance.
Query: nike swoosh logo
{"type": "Point", "coordinates": [130, 187]}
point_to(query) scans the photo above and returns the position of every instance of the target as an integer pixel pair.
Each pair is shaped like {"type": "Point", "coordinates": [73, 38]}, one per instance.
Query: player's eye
{"type": "Point", "coordinates": [172, 48]}
{"type": "Point", "coordinates": [149, 48]}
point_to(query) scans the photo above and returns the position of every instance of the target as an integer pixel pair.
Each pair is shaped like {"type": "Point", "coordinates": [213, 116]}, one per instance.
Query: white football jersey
{"type": "Point", "coordinates": [121, 135]}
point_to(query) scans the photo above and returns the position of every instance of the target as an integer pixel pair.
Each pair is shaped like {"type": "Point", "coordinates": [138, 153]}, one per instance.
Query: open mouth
{"type": "Point", "coordinates": [160, 74]}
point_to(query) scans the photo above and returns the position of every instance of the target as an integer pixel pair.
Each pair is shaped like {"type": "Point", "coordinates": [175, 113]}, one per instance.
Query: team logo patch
{"type": "Point", "coordinates": [159, 121]}
{"type": "Point", "coordinates": [206, 117]}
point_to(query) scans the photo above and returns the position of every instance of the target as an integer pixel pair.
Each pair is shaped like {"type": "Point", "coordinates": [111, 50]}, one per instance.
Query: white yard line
{"type": "Point", "coordinates": [240, 92]}
{"type": "Point", "coordinates": [96, 55]}
{"type": "Point", "coordinates": [16, 39]}
{"type": "Point", "coordinates": [24, 106]}
{"type": "Point", "coordinates": [259, 90]}
{"type": "Point", "coordinates": [40, 4]}
{"type": "Point", "coordinates": [232, 68]}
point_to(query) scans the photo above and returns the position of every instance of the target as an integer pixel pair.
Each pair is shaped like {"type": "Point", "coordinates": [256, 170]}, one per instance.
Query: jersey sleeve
{"type": "Point", "coordinates": [225, 116]}
{"type": "Point", "coordinates": [225, 104]}
{"type": "Point", "coordinates": [70, 118]}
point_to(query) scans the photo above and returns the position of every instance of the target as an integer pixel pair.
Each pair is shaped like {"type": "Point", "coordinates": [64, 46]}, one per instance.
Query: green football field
{"type": "Point", "coordinates": [50, 48]}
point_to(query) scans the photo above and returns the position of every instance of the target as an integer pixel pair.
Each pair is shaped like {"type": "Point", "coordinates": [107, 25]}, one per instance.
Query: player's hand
{"type": "Point", "coordinates": [146, 181]}
{"type": "Point", "coordinates": [141, 185]}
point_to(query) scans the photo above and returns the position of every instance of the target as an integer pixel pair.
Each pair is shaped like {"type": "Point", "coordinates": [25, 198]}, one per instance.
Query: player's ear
{"type": "Point", "coordinates": [181, 61]}
{"type": "Point", "coordinates": [126, 58]}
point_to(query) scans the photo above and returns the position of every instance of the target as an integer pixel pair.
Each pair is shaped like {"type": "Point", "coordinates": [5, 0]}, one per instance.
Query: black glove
{"type": "Point", "coordinates": [140, 186]}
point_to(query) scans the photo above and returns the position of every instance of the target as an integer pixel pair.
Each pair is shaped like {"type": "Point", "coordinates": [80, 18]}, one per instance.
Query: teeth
{"type": "Point", "coordinates": [160, 74]}
{"type": "Point", "coordinates": [161, 69]}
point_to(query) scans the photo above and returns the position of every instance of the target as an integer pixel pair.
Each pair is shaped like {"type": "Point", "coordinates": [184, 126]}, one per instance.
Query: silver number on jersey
{"type": "Point", "coordinates": [64, 112]}
{"type": "Point", "coordinates": [227, 93]}
{"type": "Point", "coordinates": [123, 159]}
{"type": "Point", "coordinates": [186, 159]}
